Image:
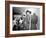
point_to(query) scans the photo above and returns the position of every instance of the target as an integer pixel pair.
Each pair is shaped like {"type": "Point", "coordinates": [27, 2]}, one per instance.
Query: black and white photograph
{"type": "Point", "coordinates": [25, 20]}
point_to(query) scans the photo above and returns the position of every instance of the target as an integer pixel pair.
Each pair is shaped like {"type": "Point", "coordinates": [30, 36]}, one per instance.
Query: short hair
{"type": "Point", "coordinates": [28, 11]}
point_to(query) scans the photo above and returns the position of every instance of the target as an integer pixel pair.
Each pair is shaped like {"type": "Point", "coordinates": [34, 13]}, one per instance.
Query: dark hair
{"type": "Point", "coordinates": [21, 18]}
{"type": "Point", "coordinates": [28, 11]}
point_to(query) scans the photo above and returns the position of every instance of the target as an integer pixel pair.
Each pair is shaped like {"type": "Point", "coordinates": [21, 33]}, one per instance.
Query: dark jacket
{"type": "Point", "coordinates": [34, 20]}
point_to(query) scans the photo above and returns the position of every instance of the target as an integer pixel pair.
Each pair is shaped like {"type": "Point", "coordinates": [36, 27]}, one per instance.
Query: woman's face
{"type": "Point", "coordinates": [28, 13]}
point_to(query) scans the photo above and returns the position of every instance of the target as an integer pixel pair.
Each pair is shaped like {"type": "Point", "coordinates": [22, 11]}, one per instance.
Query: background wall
{"type": "Point", "coordinates": [2, 19]}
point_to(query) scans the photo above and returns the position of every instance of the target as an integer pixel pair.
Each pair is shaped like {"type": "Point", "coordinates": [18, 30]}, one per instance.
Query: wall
{"type": "Point", "coordinates": [2, 19]}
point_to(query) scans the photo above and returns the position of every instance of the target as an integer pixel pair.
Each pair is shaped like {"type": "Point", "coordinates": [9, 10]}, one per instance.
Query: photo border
{"type": "Point", "coordinates": [25, 31]}
{"type": "Point", "coordinates": [7, 18]}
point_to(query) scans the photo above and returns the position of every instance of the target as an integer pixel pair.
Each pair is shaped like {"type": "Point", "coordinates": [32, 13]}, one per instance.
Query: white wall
{"type": "Point", "coordinates": [2, 20]}
{"type": "Point", "coordinates": [2, 16]}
